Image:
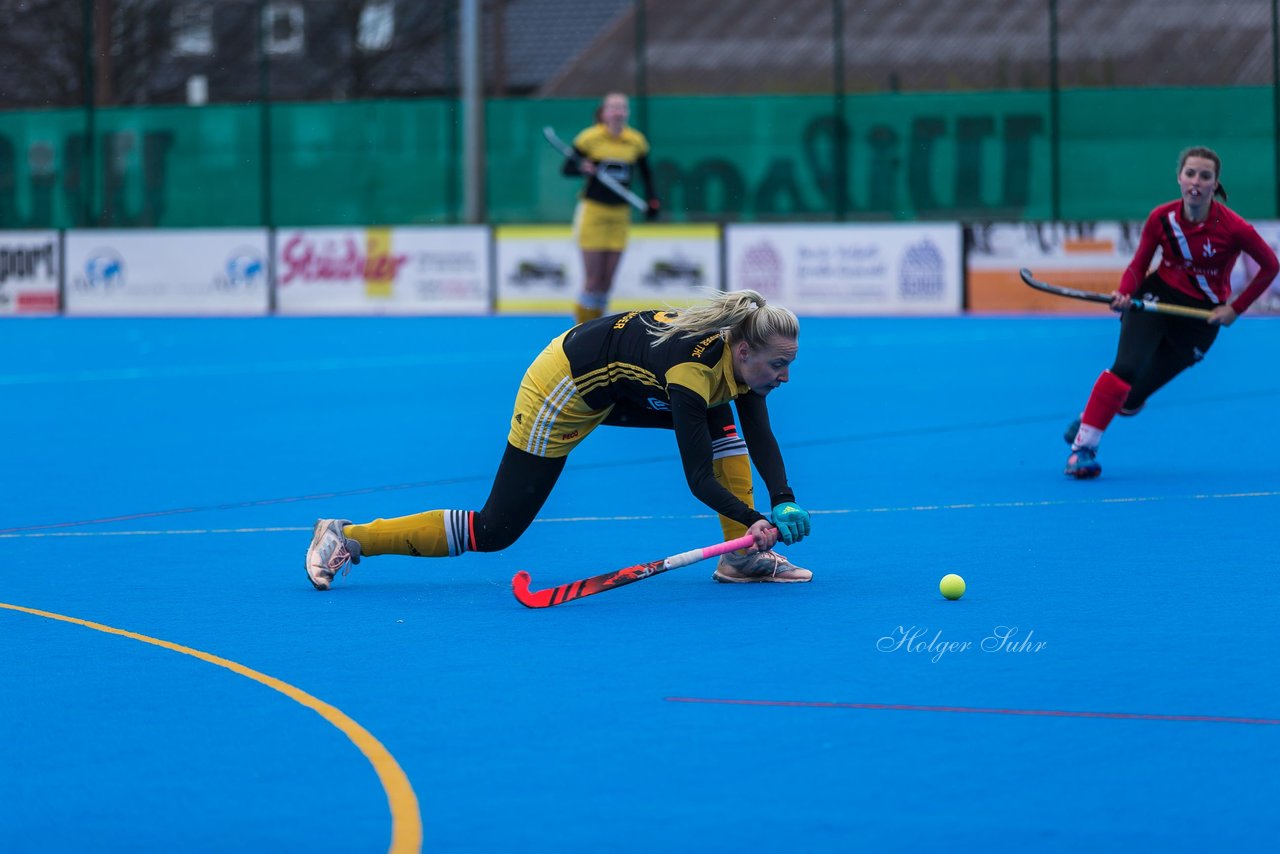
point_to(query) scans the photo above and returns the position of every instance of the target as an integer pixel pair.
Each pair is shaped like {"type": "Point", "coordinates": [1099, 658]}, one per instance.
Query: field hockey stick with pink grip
{"type": "Point", "coordinates": [618, 577]}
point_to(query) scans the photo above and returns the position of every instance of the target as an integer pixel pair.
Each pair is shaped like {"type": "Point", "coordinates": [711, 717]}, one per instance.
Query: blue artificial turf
{"type": "Point", "coordinates": [161, 477]}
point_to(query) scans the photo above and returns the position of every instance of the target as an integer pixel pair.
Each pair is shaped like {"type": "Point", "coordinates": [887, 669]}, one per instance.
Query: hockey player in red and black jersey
{"type": "Point", "coordinates": [1199, 240]}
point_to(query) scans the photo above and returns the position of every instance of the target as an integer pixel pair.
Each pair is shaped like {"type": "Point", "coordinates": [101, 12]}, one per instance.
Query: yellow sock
{"type": "Point", "coordinates": [581, 313]}
{"type": "Point", "coordinates": [734, 474]}
{"type": "Point", "coordinates": [436, 533]}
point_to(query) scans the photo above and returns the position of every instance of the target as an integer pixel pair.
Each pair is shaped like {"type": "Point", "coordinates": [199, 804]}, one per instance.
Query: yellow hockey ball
{"type": "Point", "coordinates": [951, 586]}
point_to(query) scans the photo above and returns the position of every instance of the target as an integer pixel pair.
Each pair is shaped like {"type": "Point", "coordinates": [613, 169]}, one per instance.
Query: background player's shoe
{"type": "Point", "coordinates": [1083, 464]}
{"type": "Point", "coordinates": [330, 552]}
{"type": "Point", "coordinates": [1072, 429]}
{"type": "Point", "coordinates": [737, 568]}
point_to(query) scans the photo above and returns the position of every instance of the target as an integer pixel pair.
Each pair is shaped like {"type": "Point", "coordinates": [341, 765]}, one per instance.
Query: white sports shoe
{"type": "Point", "coordinates": [735, 568]}
{"type": "Point", "coordinates": [330, 552]}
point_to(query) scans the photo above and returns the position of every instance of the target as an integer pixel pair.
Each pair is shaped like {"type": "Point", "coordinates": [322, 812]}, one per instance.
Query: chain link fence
{"type": "Point", "coordinates": [242, 112]}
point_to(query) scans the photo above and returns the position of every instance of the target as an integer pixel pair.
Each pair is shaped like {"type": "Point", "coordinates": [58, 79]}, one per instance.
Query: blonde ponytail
{"type": "Point", "coordinates": [740, 315]}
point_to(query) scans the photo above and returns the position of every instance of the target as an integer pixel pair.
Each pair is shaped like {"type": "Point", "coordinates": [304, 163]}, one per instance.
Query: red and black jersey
{"type": "Point", "coordinates": [1197, 257]}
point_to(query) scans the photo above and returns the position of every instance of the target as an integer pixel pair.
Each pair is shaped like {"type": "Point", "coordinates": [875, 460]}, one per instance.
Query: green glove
{"type": "Point", "coordinates": [791, 521]}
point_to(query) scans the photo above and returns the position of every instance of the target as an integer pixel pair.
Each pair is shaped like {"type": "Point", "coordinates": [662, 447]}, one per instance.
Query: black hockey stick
{"type": "Point", "coordinates": [603, 177]}
{"type": "Point", "coordinates": [1093, 296]}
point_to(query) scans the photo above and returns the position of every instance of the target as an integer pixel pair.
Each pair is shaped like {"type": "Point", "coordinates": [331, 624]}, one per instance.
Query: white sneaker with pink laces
{"type": "Point", "coordinates": [740, 568]}
{"type": "Point", "coordinates": [329, 552]}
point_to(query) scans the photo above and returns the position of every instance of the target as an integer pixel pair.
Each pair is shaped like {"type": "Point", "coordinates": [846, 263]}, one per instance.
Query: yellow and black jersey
{"type": "Point", "coordinates": [620, 156]}
{"type": "Point", "coordinates": [614, 363]}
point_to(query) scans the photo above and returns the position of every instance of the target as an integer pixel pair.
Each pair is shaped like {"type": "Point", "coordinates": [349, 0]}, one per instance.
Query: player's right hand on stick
{"type": "Point", "coordinates": [765, 535]}
{"type": "Point", "coordinates": [1120, 302]}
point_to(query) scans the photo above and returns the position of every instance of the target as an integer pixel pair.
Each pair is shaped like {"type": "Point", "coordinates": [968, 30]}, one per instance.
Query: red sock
{"type": "Point", "coordinates": [1109, 394]}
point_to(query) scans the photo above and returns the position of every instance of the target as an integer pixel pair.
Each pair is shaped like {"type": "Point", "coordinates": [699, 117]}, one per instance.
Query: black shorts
{"type": "Point", "coordinates": [1161, 344]}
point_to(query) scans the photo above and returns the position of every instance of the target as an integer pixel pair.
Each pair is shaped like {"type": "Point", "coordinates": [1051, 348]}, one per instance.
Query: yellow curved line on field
{"type": "Point", "coordinates": [406, 821]}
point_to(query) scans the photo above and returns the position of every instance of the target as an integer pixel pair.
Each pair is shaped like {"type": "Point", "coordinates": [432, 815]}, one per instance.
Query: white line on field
{"type": "Point", "coordinates": [914, 508]}
{"type": "Point", "coordinates": [186, 532]}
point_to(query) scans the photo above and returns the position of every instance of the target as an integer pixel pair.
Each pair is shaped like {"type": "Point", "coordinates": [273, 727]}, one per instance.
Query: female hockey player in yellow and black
{"type": "Point", "coordinates": [678, 370]}
{"type": "Point", "coordinates": [602, 218]}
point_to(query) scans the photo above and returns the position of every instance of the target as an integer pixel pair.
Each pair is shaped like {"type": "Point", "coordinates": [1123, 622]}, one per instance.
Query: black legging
{"type": "Point", "coordinates": [520, 488]}
{"type": "Point", "coordinates": [524, 481]}
{"type": "Point", "coordinates": [1155, 348]}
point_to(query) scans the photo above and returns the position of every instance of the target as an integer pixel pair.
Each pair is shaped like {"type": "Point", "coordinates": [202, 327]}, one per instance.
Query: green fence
{"type": "Point", "coordinates": [860, 157]}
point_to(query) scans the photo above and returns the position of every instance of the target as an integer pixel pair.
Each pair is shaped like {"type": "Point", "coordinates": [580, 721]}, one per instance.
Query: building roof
{"type": "Point", "coordinates": [568, 48]}
{"type": "Point", "coordinates": [757, 46]}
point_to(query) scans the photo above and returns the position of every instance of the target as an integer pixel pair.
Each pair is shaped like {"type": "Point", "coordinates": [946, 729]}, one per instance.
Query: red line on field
{"type": "Point", "coordinates": [1044, 713]}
